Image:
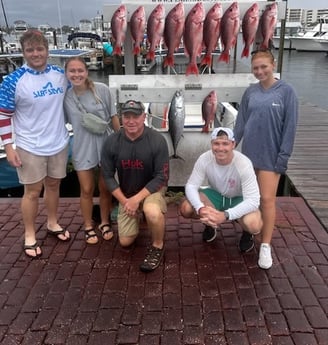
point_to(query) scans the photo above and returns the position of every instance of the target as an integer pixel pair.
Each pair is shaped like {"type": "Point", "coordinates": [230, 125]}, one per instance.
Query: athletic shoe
{"type": "Point", "coordinates": [265, 258]}
{"type": "Point", "coordinates": [152, 260]}
{"type": "Point", "coordinates": [209, 234]}
{"type": "Point", "coordinates": [246, 242]}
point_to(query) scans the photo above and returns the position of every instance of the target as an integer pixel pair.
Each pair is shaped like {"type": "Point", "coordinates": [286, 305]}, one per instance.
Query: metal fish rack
{"type": "Point", "coordinates": [157, 90]}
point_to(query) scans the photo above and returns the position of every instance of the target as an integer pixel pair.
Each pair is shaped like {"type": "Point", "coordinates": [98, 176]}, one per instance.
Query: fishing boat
{"type": "Point", "coordinates": [20, 26]}
{"type": "Point", "coordinates": [10, 62]}
{"type": "Point", "coordinates": [92, 43]}
{"type": "Point", "coordinates": [292, 29]}
{"type": "Point", "coordinates": [324, 44]}
{"type": "Point", "coordinates": [87, 39]}
{"type": "Point", "coordinates": [309, 41]}
{"type": "Point", "coordinates": [55, 40]}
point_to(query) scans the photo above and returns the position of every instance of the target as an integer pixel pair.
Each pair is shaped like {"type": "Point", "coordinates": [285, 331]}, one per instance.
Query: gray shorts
{"type": "Point", "coordinates": [35, 168]}
{"type": "Point", "coordinates": [129, 226]}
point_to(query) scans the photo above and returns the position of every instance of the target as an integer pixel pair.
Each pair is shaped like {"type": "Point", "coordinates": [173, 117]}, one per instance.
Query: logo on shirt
{"type": "Point", "coordinates": [132, 164]}
{"type": "Point", "coordinates": [232, 183]}
{"type": "Point", "coordinates": [48, 90]}
{"type": "Point", "coordinates": [275, 104]}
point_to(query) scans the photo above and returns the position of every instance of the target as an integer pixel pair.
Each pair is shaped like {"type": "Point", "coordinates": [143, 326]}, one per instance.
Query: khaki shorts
{"type": "Point", "coordinates": [35, 168]}
{"type": "Point", "coordinates": [129, 226]}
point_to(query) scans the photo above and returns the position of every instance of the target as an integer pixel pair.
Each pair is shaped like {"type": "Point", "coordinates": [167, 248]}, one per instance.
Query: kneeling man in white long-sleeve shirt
{"type": "Point", "coordinates": [232, 192]}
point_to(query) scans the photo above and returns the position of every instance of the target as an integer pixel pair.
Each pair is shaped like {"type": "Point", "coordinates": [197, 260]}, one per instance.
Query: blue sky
{"type": "Point", "coordinates": [36, 12]}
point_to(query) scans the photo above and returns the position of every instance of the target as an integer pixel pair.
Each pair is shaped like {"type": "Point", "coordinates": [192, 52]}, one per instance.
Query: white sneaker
{"type": "Point", "coordinates": [265, 258]}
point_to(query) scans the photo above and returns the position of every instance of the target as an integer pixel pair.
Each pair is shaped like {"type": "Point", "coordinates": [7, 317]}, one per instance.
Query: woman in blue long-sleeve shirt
{"type": "Point", "coordinates": [266, 121]}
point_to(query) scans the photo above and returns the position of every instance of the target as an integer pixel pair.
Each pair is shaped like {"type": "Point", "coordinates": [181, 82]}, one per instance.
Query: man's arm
{"type": "Point", "coordinates": [160, 157]}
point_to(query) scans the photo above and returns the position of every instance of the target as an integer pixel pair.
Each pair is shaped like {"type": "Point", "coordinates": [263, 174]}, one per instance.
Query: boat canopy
{"type": "Point", "coordinates": [89, 35]}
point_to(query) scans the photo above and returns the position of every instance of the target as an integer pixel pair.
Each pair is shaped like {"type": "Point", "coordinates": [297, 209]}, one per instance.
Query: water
{"type": "Point", "coordinates": [306, 71]}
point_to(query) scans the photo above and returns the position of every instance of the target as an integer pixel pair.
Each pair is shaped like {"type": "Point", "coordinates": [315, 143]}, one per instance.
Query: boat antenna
{"type": "Point", "coordinates": [4, 15]}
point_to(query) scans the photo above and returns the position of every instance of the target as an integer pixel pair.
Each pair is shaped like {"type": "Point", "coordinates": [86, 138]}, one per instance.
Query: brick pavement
{"type": "Point", "coordinates": [201, 294]}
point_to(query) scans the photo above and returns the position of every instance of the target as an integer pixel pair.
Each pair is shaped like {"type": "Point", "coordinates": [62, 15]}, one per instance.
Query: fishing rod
{"type": "Point", "coordinates": [4, 15]}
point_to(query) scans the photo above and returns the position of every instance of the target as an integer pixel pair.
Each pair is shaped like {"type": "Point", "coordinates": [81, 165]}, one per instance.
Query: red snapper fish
{"type": "Point", "coordinates": [209, 107]}
{"type": "Point", "coordinates": [230, 24]}
{"type": "Point", "coordinates": [119, 27]}
{"type": "Point", "coordinates": [249, 26]}
{"type": "Point", "coordinates": [268, 23]}
{"type": "Point", "coordinates": [155, 29]}
{"type": "Point", "coordinates": [193, 36]}
{"type": "Point", "coordinates": [211, 32]}
{"type": "Point", "coordinates": [173, 31]}
{"type": "Point", "coordinates": [137, 27]}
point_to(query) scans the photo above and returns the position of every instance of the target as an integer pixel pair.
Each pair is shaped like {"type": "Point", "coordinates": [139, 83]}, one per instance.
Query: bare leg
{"type": "Point", "coordinates": [51, 198]}
{"type": "Point", "coordinates": [87, 186]}
{"type": "Point", "coordinates": [268, 183]}
{"type": "Point", "coordinates": [105, 201]}
{"type": "Point", "coordinates": [188, 211]}
{"type": "Point", "coordinates": [29, 206]}
{"type": "Point", "coordinates": [156, 223]}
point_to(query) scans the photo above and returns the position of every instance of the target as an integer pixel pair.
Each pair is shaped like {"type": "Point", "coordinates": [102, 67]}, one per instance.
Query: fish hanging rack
{"type": "Point", "coordinates": [157, 90]}
{"type": "Point", "coordinates": [132, 5]}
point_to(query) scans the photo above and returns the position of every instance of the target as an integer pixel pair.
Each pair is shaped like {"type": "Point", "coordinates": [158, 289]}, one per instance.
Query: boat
{"type": "Point", "coordinates": [54, 39]}
{"type": "Point", "coordinates": [60, 56]}
{"type": "Point", "coordinates": [10, 62]}
{"type": "Point", "coordinates": [20, 26]}
{"type": "Point", "coordinates": [92, 43]}
{"type": "Point", "coordinates": [291, 29]}
{"type": "Point", "coordinates": [87, 39]}
{"type": "Point", "coordinates": [324, 44]}
{"type": "Point", "coordinates": [309, 41]}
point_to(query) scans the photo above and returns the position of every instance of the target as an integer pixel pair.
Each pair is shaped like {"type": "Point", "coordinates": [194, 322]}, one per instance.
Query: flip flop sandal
{"type": "Point", "coordinates": [56, 233]}
{"type": "Point", "coordinates": [34, 247]}
{"type": "Point", "coordinates": [91, 236]}
{"type": "Point", "coordinates": [106, 229]}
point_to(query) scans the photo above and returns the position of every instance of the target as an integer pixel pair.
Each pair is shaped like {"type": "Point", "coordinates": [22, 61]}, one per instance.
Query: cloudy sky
{"type": "Point", "coordinates": [70, 12]}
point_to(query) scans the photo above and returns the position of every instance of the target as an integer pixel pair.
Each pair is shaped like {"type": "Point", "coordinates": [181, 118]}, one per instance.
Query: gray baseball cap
{"type": "Point", "coordinates": [132, 106]}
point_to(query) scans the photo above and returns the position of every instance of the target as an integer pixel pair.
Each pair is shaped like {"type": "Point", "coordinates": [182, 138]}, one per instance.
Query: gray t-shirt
{"type": "Point", "coordinates": [87, 147]}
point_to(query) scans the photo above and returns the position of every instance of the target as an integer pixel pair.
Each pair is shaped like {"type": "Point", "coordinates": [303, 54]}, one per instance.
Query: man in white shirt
{"type": "Point", "coordinates": [232, 192]}
{"type": "Point", "coordinates": [31, 98]}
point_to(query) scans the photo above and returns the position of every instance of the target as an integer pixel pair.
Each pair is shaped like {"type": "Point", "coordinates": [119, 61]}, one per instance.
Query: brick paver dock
{"type": "Point", "coordinates": [201, 294]}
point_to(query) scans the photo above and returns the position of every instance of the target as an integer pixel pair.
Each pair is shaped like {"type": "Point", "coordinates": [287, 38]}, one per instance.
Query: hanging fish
{"type": "Point", "coordinates": [137, 27]}
{"type": "Point", "coordinates": [155, 29]}
{"type": "Point", "coordinates": [211, 32]}
{"type": "Point", "coordinates": [209, 107]}
{"type": "Point", "coordinates": [119, 27]}
{"type": "Point", "coordinates": [230, 25]}
{"type": "Point", "coordinates": [173, 31]}
{"type": "Point", "coordinates": [176, 119]}
{"type": "Point", "coordinates": [249, 26]}
{"type": "Point", "coordinates": [268, 23]}
{"type": "Point", "coordinates": [193, 36]}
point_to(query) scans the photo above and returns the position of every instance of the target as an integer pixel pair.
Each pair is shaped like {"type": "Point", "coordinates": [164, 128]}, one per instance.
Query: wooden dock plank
{"type": "Point", "coordinates": [308, 166]}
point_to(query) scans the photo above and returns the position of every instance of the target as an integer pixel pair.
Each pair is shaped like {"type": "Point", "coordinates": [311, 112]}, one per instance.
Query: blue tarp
{"type": "Point", "coordinates": [8, 175]}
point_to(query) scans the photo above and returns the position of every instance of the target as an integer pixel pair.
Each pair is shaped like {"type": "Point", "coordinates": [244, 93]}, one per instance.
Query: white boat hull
{"type": "Point", "coordinates": [287, 43]}
{"type": "Point", "coordinates": [307, 44]}
{"type": "Point", "coordinates": [324, 44]}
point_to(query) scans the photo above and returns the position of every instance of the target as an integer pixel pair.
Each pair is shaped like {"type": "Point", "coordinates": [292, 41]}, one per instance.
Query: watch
{"type": "Point", "coordinates": [226, 214]}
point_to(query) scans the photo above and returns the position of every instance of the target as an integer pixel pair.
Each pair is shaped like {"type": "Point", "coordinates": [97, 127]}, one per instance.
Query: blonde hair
{"type": "Point", "coordinates": [262, 53]}
{"type": "Point", "coordinates": [33, 36]}
{"type": "Point", "coordinates": [88, 82]}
